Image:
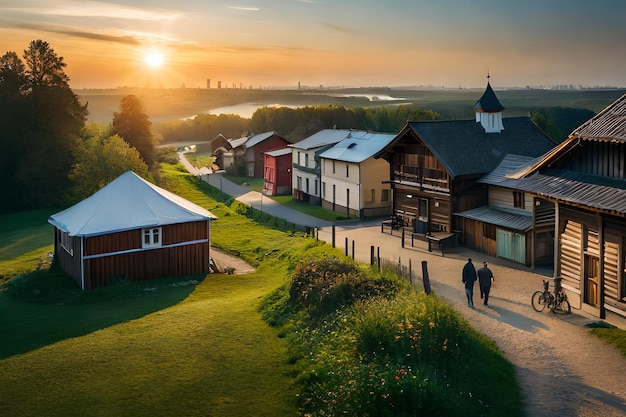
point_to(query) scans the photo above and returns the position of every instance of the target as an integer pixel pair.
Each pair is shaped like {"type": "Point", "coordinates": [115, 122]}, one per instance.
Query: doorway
{"type": "Point", "coordinates": [592, 280]}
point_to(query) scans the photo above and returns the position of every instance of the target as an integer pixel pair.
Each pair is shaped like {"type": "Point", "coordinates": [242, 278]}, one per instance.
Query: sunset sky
{"type": "Point", "coordinates": [263, 43]}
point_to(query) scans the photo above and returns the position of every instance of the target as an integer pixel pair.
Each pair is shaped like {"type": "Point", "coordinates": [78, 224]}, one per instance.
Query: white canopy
{"type": "Point", "coordinates": [126, 203]}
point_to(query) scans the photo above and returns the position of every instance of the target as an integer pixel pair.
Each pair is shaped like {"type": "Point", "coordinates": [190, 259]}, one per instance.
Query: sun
{"type": "Point", "coordinates": [154, 59]}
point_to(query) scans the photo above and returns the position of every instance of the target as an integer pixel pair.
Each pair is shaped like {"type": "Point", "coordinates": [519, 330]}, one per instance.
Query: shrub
{"type": "Point", "coordinates": [325, 284]}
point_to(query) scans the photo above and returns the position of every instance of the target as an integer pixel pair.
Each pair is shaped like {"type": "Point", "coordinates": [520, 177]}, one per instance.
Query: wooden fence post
{"type": "Point", "coordinates": [425, 277]}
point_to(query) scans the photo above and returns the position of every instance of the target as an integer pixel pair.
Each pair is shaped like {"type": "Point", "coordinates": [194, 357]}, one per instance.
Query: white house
{"type": "Point", "coordinates": [306, 172]}
{"type": "Point", "coordinates": [353, 182]}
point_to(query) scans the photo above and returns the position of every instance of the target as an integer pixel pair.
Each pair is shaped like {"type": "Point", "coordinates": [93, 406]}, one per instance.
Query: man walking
{"type": "Point", "coordinates": [469, 277]}
{"type": "Point", "coordinates": [485, 278]}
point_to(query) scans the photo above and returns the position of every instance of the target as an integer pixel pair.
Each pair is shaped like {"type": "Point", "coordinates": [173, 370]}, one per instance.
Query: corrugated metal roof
{"type": "Point", "coordinates": [358, 147]}
{"type": "Point", "coordinates": [575, 188]}
{"type": "Point", "coordinates": [500, 218]}
{"type": "Point", "coordinates": [322, 138]}
{"type": "Point", "coordinates": [609, 124]}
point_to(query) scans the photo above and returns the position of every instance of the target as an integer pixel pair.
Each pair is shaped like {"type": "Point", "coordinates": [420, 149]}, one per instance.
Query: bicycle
{"type": "Point", "coordinates": [557, 302]}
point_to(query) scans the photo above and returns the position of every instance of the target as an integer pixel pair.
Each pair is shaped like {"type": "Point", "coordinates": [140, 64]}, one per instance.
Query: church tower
{"type": "Point", "coordinates": [489, 111]}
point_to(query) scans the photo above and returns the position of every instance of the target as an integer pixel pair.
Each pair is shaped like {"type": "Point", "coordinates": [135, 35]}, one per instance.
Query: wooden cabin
{"type": "Point", "coordinates": [584, 180]}
{"type": "Point", "coordinates": [435, 165]}
{"type": "Point", "coordinates": [131, 230]}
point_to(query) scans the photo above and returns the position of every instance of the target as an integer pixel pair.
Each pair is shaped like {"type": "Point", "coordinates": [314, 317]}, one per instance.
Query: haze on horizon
{"type": "Point", "coordinates": [261, 43]}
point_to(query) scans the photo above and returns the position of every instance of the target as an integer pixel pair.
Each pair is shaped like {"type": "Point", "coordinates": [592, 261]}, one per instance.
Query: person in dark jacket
{"type": "Point", "coordinates": [485, 278]}
{"type": "Point", "coordinates": [469, 277]}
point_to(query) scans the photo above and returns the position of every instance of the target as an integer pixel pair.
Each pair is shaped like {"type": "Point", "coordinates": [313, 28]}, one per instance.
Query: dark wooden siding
{"type": "Point", "coordinates": [70, 263]}
{"type": "Point", "coordinates": [122, 257]}
{"type": "Point", "coordinates": [607, 159]}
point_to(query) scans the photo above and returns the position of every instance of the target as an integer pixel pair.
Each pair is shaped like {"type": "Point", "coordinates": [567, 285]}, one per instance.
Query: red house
{"type": "Point", "coordinates": [131, 230]}
{"type": "Point", "coordinates": [256, 146]}
{"type": "Point", "coordinates": [277, 172]}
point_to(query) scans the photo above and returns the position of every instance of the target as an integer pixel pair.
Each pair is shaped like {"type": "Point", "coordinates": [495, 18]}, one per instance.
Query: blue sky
{"type": "Point", "coordinates": [258, 43]}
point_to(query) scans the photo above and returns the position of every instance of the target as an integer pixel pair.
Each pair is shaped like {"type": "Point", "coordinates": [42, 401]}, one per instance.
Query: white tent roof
{"type": "Point", "coordinates": [126, 203]}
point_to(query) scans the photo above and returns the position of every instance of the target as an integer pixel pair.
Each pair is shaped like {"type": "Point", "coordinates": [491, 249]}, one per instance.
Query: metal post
{"type": "Point", "coordinates": [333, 235]}
{"type": "Point", "coordinates": [353, 249]}
{"type": "Point", "coordinates": [346, 246]}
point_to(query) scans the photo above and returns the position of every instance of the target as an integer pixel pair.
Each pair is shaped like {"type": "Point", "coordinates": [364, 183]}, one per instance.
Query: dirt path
{"type": "Point", "coordinates": [562, 369]}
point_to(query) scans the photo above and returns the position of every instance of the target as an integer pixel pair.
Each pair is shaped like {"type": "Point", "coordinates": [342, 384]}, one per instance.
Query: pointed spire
{"type": "Point", "coordinates": [489, 110]}
{"type": "Point", "coordinates": [488, 103]}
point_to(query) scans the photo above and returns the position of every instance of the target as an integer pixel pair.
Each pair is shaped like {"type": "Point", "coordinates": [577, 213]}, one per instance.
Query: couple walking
{"type": "Point", "coordinates": [485, 278]}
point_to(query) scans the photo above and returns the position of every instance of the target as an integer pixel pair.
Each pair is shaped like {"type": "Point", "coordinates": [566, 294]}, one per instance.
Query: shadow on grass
{"type": "Point", "coordinates": [46, 306]}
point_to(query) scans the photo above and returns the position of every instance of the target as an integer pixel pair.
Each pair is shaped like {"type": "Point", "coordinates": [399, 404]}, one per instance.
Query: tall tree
{"type": "Point", "coordinates": [101, 160]}
{"type": "Point", "coordinates": [41, 130]}
{"type": "Point", "coordinates": [134, 126]}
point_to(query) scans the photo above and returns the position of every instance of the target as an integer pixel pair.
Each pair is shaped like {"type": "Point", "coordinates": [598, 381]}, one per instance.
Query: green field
{"type": "Point", "coordinates": [198, 346]}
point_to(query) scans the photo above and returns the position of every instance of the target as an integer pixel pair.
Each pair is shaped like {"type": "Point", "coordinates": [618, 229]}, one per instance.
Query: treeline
{"type": "Point", "coordinates": [294, 124]}
{"type": "Point", "coordinates": [48, 157]}
{"type": "Point", "coordinates": [559, 122]}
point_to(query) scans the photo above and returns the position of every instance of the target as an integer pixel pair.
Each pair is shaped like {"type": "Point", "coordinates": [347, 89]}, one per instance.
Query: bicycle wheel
{"type": "Point", "coordinates": [539, 301]}
{"type": "Point", "coordinates": [562, 308]}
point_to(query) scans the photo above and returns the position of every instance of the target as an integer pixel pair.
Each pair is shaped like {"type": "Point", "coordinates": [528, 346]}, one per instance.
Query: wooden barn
{"type": "Point", "coordinates": [583, 180]}
{"type": "Point", "coordinates": [277, 172]}
{"type": "Point", "coordinates": [131, 230]}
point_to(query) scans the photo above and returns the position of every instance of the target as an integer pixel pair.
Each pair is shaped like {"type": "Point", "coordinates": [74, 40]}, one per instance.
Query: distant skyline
{"type": "Point", "coordinates": [350, 43]}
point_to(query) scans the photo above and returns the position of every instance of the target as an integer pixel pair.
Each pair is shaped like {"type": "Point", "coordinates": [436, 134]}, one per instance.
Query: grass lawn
{"type": "Point", "coordinates": [209, 354]}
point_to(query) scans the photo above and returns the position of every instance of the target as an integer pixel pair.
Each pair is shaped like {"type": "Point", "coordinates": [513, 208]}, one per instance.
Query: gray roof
{"type": "Point", "coordinates": [256, 139]}
{"type": "Point", "coordinates": [358, 146]}
{"type": "Point", "coordinates": [500, 218]}
{"type": "Point", "coordinates": [575, 188]}
{"type": "Point", "coordinates": [279, 152]}
{"type": "Point", "coordinates": [464, 148]}
{"type": "Point", "coordinates": [322, 138]}
{"type": "Point", "coordinates": [609, 124]}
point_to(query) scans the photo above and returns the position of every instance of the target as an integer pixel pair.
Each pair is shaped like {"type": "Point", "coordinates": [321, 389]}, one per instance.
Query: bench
{"type": "Point", "coordinates": [393, 223]}
{"type": "Point", "coordinates": [441, 240]}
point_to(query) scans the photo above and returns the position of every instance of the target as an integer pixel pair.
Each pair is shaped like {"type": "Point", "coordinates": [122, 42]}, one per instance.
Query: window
{"type": "Point", "coordinates": [316, 192]}
{"type": "Point", "coordinates": [518, 199]}
{"type": "Point", "coordinates": [298, 157]}
{"type": "Point", "coordinates": [372, 196]}
{"type": "Point", "coordinates": [151, 237]}
{"type": "Point", "coordinates": [306, 159]}
{"type": "Point", "coordinates": [384, 195]}
{"type": "Point", "coordinates": [489, 231]}
{"type": "Point", "coordinates": [333, 167]}
{"type": "Point", "coordinates": [323, 189]}
{"type": "Point", "coordinates": [307, 186]}
{"type": "Point", "coordinates": [66, 242]}
{"type": "Point", "coordinates": [298, 183]}
{"type": "Point", "coordinates": [347, 170]}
